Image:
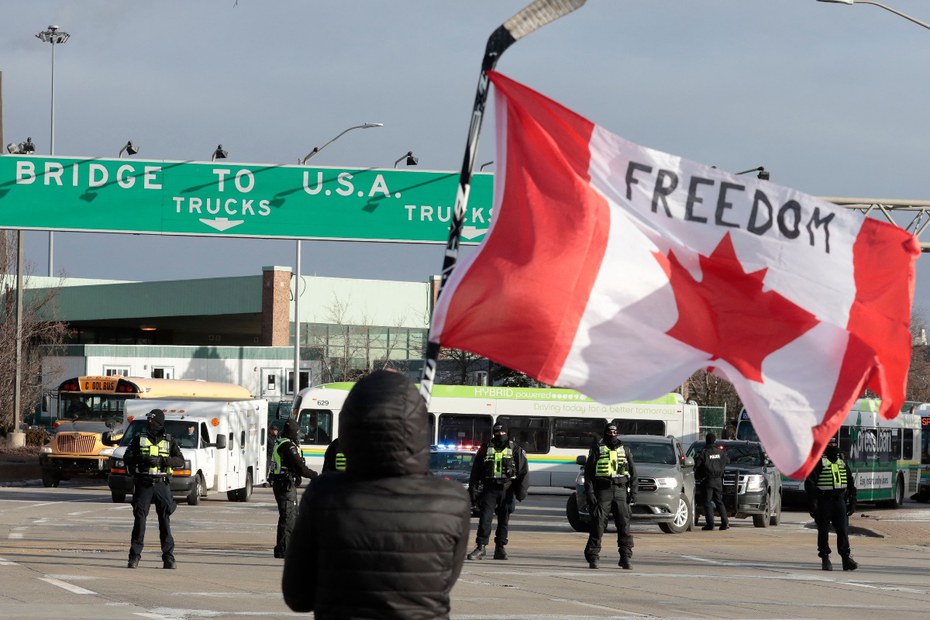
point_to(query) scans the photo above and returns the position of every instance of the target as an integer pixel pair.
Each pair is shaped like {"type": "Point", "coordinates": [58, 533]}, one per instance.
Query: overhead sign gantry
{"type": "Point", "coordinates": [236, 200]}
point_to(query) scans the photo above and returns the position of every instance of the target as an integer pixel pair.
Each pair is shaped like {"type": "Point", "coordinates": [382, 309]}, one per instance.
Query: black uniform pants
{"type": "Point", "coordinates": [145, 491]}
{"type": "Point", "coordinates": [831, 509]}
{"type": "Point", "coordinates": [713, 498]}
{"type": "Point", "coordinates": [611, 500]}
{"type": "Point", "coordinates": [285, 494]}
{"type": "Point", "coordinates": [496, 499]}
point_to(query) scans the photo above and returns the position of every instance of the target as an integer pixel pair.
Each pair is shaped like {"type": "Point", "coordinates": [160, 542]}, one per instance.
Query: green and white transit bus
{"type": "Point", "coordinates": [884, 455]}
{"type": "Point", "coordinates": [553, 425]}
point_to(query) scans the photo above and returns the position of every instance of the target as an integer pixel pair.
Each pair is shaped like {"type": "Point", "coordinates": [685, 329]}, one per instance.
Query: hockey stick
{"type": "Point", "coordinates": [528, 20]}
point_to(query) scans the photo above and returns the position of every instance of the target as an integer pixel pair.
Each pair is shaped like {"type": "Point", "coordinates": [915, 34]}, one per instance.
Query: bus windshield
{"type": "Point", "coordinates": [96, 408]}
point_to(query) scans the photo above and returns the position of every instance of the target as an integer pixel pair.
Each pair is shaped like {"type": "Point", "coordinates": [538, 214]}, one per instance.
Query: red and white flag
{"type": "Point", "coordinates": [619, 270]}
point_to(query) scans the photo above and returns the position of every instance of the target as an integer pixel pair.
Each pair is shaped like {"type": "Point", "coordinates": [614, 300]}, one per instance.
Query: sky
{"type": "Point", "coordinates": [831, 99]}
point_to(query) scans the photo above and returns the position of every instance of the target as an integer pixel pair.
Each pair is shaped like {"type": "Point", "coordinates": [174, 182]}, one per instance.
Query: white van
{"type": "Point", "coordinates": [224, 445]}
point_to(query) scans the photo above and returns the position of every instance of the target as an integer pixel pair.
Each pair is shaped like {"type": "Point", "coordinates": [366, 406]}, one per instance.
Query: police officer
{"type": "Point", "coordinates": [333, 458]}
{"type": "Point", "coordinates": [287, 468]}
{"type": "Point", "coordinates": [610, 489]}
{"type": "Point", "coordinates": [709, 465]}
{"type": "Point", "coordinates": [831, 495]}
{"type": "Point", "coordinates": [500, 471]}
{"type": "Point", "coordinates": [151, 455]}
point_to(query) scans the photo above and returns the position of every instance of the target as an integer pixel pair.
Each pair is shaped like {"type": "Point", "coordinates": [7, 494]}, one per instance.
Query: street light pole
{"type": "Point", "coordinates": [882, 6]}
{"type": "Point", "coordinates": [297, 262]}
{"type": "Point", "coordinates": [56, 37]}
{"type": "Point", "coordinates": [344, 131]}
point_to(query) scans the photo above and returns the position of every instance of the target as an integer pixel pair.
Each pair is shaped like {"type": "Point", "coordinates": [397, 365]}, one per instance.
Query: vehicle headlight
{"type": "Point", "coordinates": [106, 452]}
{"type": "Point", "coordinates": [666, 483]}
{"type": "Point", "coordinates": [755, 482]}
{"type": "Point", "coordinates": [46, 450]}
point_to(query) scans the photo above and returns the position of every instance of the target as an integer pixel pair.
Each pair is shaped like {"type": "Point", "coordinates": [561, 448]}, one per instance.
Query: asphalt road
{"type": "Point", "coordinates": [63, 555]}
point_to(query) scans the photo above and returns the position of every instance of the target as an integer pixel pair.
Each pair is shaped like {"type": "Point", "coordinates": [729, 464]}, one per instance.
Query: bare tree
{"type": "Point", "coordinates": [918, 375]}
{"type": "Point", "coordinates": [351, 349]}
{"type": "Point", "coordinates": [456, 365]}
{"type": "Point", "coordinates": [708, 389]}
{"type": "Point", "coordinates": [40, 335]}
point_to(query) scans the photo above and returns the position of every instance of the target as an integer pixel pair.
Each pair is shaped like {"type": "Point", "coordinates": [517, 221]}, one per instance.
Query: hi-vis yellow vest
{"type": "Point", "coordinates": [611, 462]}
{"type": "Point", "coordinates": [162, 448]}
{"type": "Point", "coordinates": [498, 464]}
{"type": "Point", "coordinates": [832, 475]}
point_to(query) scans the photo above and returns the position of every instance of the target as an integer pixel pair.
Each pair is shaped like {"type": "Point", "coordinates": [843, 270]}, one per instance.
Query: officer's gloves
{"type": "Point", "coordinates": [631, 498]}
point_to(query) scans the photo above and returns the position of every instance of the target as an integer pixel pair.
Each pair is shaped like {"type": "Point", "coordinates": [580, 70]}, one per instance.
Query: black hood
{"type": "Point", "coordinates": [291, 430]}
{"type": "Point", "coordinates": [384, 427]}
{"type": "Point", "coordinates": [156, 420]}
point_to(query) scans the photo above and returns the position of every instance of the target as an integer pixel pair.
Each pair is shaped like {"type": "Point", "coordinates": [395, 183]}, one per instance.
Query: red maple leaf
{"type": "Point", "coordinates": [728, 315]}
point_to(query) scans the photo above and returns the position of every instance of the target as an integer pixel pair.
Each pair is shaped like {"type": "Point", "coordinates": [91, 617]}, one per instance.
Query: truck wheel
{"type": "Point", "coordinates": [50, 478]}
{"type": "Point", "coordinates": [193, 498]}
{"type": "Point", "coordinates": [682, 520]}
{"type": "Point", "coordinates": [574, 518]}
{"type": "Point", "coordinates": [246, 492]}
{"type": "Point", "coordinates": [763, 519]}
{"type": "Point", "coordinates": [118, 498]}
{"type": "Point", "coordinates": [775, 519]}
{"type": "Point", "coordinates": [243, 494]}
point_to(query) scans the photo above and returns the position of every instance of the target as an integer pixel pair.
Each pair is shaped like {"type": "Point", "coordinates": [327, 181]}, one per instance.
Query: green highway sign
{"type": "Point", "coordinates": [236, 200]}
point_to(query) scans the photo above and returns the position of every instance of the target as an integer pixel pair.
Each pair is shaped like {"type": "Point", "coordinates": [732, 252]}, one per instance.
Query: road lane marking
{"type": "Point", "coordinates": [5, 562]}
{"type": "Point", "coordinates": [64, 585]}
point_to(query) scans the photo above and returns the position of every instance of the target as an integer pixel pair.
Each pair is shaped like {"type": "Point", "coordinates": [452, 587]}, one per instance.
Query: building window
{"type": "Point", "coordinates": [162, 372]}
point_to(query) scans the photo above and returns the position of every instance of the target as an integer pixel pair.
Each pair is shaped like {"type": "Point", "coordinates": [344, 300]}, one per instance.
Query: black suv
{"type": "Point", "coordinates": [664, 483]}
{"type": "Point", "coordinates": [751, 483]}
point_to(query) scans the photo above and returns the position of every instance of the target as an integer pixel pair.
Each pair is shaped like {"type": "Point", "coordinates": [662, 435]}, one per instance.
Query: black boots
{"type": "Point", "coordinates": [849, 563]}
{"type": "Point", "coordinates": [478, 553]}
{"type": "Point", "coordinates": [499, 552]}
{"type": "Point", "coordinates": [133, 562]}
{"type": "Point", "coordinates": [825, 564]}
{"type": "Point", "coordinates": [624, 563]}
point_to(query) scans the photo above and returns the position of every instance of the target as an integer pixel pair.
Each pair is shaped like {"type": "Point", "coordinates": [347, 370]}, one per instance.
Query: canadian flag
{"type": "Point", "coordinates": [619, 270]}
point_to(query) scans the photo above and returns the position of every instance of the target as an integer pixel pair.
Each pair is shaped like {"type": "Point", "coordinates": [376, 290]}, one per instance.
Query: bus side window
{"type": "Point", "coordinates": [529, 431]}
{"type": "Point", "coordinates": [231, 437]}
{"type": "Point", "coordinates": [908, 444]}
{"type": "Point", "coordinates": [577, 433]}
{"type": "Point", "coordinates": [464, 429]}
{"type": "Point", "coordinates": [640, 427]}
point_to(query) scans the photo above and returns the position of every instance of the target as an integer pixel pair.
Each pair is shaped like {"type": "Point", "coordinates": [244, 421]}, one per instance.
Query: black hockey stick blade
{"type": "Point", "coordinates": [528, 20]}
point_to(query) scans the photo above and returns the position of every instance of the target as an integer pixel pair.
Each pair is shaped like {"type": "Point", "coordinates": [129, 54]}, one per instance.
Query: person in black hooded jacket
{"type": "Point", "coordinates": [382, 539]}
